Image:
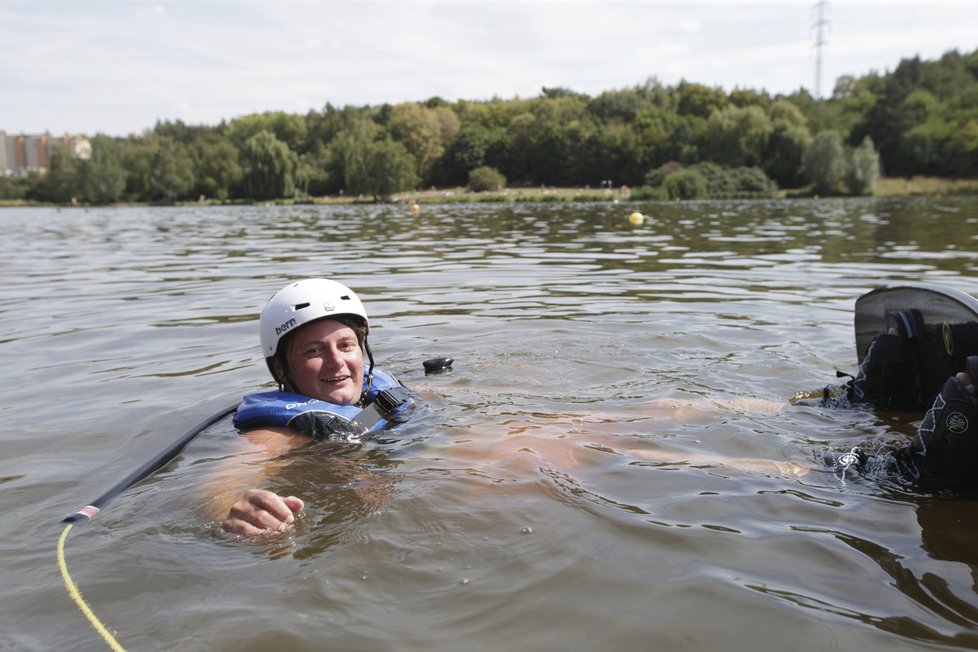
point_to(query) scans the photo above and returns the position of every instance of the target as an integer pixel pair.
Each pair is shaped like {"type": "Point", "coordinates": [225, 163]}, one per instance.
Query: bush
{"type": "Point", "coordinates": [864, 168]}
{"type": "Point", "coordinates": [649, 193]}
{"type": "Point", "coordinates": [718, 181]}
{"type": "Point", "coordinates": [686, 184]}
{"type": "Point", "coordinates": [657, 177]}
{"type": "Point", "coordinates": [735, 183]}
{"type": "Point", "coordinates": [13, 187]}
{"type": "Point", "coordinates": [752, 181]}
{"type": "Point", "coordinates": [485, 178]}
{"type": "Point", "coordinates": [707, 181]}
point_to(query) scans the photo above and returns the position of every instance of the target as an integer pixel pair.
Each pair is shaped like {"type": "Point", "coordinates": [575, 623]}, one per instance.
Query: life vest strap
{"type": "Point", "coordinates": [382, 407]}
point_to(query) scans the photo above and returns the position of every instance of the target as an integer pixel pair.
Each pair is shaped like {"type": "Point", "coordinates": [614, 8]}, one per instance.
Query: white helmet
{"type": "Point", "coordinates": [302, 302]}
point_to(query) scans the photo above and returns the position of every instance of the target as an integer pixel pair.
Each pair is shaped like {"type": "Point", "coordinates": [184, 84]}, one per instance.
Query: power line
{"type": "Point", "coordinates": [820, 24]}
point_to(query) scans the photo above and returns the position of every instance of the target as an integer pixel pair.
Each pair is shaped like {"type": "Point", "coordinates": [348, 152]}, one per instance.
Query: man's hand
{"type": "Point", "coordinates": [262, 512]}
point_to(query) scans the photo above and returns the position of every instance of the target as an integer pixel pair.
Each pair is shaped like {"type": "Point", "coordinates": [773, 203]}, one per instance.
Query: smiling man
{"type": "Point", "coordinates": [314, 337]}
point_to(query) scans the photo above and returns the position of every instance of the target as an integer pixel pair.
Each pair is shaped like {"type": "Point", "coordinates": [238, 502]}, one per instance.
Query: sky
{"type": "Point", "coordinates": [118, 66]}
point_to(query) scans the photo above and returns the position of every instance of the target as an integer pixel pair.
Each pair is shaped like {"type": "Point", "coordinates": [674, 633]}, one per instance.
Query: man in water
{"type": "Point", "coordinates": [314, 336]}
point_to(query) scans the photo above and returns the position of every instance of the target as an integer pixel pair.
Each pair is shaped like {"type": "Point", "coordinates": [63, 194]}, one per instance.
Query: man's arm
{"type": "Point", "coordinates": [233, 493]}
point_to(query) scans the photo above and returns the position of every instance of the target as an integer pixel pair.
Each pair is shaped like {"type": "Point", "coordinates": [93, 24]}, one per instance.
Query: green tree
{"type": "Point", "coordinates": [311, 178]}
{"type": "Point", "coordinates": [137, 157]}
{"type": "Point", "coordinates": [924, 145]}
{"type": "Point", "coordinates": [388, 168]}
{"type": "Point", "coordinates": [170, 171]}
{"type": "Point", "coordinates": [685, 139]}
{"type": "Point", "coordinates": [613, 151]}
{"type": "Point", "coordinates": [216, 167]}
{"type": "Point", "coordinates": [699, 100]}
{"type": "Point", "coordinates": [846, 109]}
{"type": "Point", "coordinates": [825, 163]}
{"type": "Point", "coordinates": [101, 179]}
{"type": "Point", "coordinates": [662, 135]}
{"type": "Point", "coordinates": [922, 117]}
{"type": "Point", "coordinates": [269, 167]}
{"type": "Point", "coordinates": [621, 106]}
{"type": "Point", "coordinates": [288, 128]}
{"type": "Point", "coordinates": [348, 154]}
{"type": "Point", "coordinates": [961, 152]}
{"type": "Point", "coordinates": [180, 132]}
{"type": "Point", "coordinates": [13, 188]}
{"type": "Point", "coordinates": [425, 132]}
{"type": "Point", "coordinates": [60, 183]}
{"type": "Point", "coordinates": [737, 136]}
{"type": "Point", "coordinates": [744, 97]}
{"type": "Point", "coordinates": [786, 146]}
{"type": "Point", "coordinates": [898, 110]}
{"type": "Point", "coordinates": [471, 148]}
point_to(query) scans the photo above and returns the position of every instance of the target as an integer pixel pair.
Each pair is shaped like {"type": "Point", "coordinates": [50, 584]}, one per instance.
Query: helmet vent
{"type": "Point", "coordinates": [300, 306]}
{"type": "Point", "coordinates": [345, 297]}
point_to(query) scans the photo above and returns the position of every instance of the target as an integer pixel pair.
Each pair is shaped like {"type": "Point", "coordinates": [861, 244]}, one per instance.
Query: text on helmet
{"type": "Point", "coordinates": [284, 327]}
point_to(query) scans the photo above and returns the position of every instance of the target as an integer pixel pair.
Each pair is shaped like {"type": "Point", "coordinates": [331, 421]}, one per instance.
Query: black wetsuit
{"type": "Point", "coordinates": [942, 455]}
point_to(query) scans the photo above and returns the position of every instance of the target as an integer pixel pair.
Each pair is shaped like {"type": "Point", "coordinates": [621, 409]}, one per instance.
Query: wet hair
{"type": "Point", "coordinates": [355, 323]}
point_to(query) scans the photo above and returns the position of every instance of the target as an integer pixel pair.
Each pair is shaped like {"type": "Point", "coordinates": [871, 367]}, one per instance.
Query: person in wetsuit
{"type": "Point", "coordinates": [902, 370]}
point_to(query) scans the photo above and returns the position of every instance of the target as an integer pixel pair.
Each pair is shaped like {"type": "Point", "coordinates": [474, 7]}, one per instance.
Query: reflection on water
{"type": "Point", "coordinates": [558, 491]}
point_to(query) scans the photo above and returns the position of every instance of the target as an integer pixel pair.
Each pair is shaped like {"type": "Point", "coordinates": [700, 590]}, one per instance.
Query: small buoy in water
{"type": "Point", "coordinates": [415, 208]}
{"type": "Point", "coordinates": [636, 218]}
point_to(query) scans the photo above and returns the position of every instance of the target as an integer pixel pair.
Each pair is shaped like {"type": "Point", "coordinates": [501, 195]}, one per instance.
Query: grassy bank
{"type": "Point", "coordinates": [897, 187]}
{"type": "Point", "coordinates": [885, 187]}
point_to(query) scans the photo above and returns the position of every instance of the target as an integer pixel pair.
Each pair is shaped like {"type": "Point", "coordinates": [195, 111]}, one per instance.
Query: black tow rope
{"type": "Point", "coordinates": [153, 465]}
{"type": "Point", "coordinates": [384, 405]}
{"type": "Point", "coordinates": [84, 514]}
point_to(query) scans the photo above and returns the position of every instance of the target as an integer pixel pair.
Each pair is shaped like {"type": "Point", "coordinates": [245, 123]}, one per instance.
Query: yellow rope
{"type": "Point", "coordinates": [79, 600]}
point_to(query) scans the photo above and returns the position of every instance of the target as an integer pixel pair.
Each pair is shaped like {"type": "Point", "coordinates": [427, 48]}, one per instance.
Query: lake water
{"type": "Point", "coordinates": [546, 497]}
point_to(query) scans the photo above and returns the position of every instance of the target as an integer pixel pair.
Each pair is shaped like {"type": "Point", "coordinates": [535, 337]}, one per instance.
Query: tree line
{"type": "Point", "coordinates": [686, 140]}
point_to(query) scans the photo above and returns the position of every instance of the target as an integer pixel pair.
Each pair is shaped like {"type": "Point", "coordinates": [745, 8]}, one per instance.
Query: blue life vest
{"type": "Point", "coordinates": [321, 420]}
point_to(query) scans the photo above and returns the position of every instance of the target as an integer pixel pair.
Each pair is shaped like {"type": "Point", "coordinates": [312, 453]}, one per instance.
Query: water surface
{"type": "Point", "coordinates": [548, 496]}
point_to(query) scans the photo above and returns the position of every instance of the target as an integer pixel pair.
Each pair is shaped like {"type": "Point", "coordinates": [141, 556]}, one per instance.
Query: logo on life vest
{"type": "Point", "coordinates": [957, 423]}
{"type": "Point", "coordinates": [292, 406]}
{"type": "Point", "coordinates": [284, 327]}
{"type": "Point", "coordinates": [948, 338]}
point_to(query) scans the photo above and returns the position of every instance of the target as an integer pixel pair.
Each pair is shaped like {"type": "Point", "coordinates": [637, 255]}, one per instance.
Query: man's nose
{"type": "Point", "coordinates": [332, 357]}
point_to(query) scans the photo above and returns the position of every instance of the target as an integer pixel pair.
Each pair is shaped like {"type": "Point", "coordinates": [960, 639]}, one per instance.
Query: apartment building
{"type": "Point", "coordinates": [23, 153]}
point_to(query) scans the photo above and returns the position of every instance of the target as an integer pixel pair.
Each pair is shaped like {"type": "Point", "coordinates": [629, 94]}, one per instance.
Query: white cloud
{"type": "Point", "coordinates": [103, 66]}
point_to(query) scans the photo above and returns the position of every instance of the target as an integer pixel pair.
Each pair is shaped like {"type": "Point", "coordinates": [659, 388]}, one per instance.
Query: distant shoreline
{"type": "Point", "coordinates": [885, 187]}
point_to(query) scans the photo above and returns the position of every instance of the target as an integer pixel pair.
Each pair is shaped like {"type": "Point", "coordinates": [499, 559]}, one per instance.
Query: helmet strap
{"type": "Point", "coordinates": [284, 380]}
{"type": "Point", "coordinates": [370, 371]}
